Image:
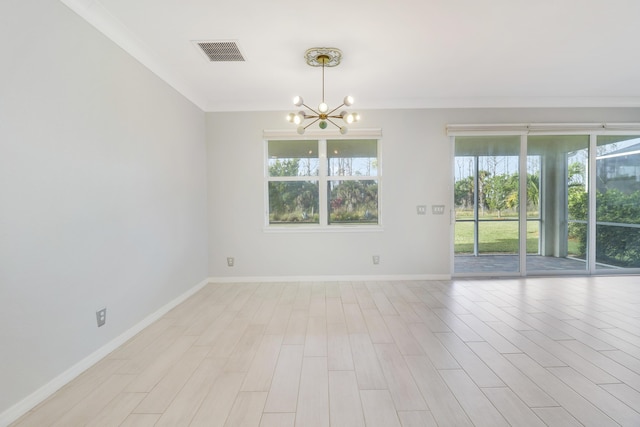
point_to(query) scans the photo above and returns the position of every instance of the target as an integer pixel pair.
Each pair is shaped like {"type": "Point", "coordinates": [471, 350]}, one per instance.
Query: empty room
{"type": "Point", "coordinates": [411, 213]}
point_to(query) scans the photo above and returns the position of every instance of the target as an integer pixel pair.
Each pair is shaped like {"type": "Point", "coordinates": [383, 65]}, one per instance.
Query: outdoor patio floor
{"type": "Point", "coordinates": [466, 264]}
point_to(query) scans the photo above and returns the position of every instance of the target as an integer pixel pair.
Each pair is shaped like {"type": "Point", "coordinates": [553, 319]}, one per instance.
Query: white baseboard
{"type": "Point", "coordinates": [271, 279]}
{"type": "Point", "coordinates": [29, 402]}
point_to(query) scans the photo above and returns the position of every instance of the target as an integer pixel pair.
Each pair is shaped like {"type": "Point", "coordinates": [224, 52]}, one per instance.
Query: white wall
{"type": "Point", "coordinates": [102, 193]}
{"type": "Point", "coordinates": [416, 170]}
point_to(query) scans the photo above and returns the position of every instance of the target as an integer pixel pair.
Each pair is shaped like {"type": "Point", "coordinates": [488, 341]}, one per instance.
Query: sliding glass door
{"type": "Point", "coordinates": [559, 192]}
{"type": "Point", "coordinates": [546, 204]}
{"type": "Point", "coordinates": [487, 196]}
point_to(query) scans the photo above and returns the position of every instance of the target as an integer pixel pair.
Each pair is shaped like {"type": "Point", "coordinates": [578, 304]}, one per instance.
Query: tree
{"type": "Point", "coordinates": [354, 201]}
{"type": "Point", "coordinates": [533, 189]}
{"type": "Point", "coordinates": [463, 192]}
{"type": "Point", "coordinates": [285, 167]}
{"type": "Point", "coordinates": [501, 192]}
{"type": "Point", "coordinates": [291, 201]}
{"type": "Point", "coordinates": [576, 174]}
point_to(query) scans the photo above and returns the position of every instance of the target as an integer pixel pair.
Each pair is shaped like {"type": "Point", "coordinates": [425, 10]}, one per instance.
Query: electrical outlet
{"type": "Point", "coordinates": [376, 259]}
{"type": "Point", "coordinates": [101, 316]}
{"type": "Point", "coordinates": [421, 209]}
{"type": "Point", "coordinates": [230, 261]}
{"type": "Point", "coordinates": [437, 209]}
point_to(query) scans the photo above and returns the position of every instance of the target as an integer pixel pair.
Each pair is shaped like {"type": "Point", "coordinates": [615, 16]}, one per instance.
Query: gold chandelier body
{"type": "Point", "coordinates": [322, 57]}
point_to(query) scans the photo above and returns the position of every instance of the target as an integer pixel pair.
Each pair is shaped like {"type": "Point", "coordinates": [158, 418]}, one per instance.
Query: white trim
{"type": "Point", "coordinates": [537, 128]}
{"type": "Point", "coordinates": [317, 228]}
{"type": "Point", "coordinates": [452, 210]}
{"type": "Point", "coordinates": [565, 127]}
{"type": "Point", "coordinates": [355, 278]}
{"type": "Point", "coordinates": [623, 126]}
{"type": "Point", "coordinates": [322, 179]}
{"type": "Point", "coordinates": [25, 405]}
{"type": "Point", "coordinates": [592, 207]}
{"type": "Point", "coordinates": [321, 134]}
{"type": "Point", "coordinates": [523, 203]}
{"type": "Point", "coordinates": [474, 129]}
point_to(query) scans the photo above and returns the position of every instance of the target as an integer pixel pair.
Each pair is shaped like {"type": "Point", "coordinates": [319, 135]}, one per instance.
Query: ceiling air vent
{"type": "Point", "coordinates": [220, 51]}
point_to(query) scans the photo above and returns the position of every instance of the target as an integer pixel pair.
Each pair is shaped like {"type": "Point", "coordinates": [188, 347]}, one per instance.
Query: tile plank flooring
{"type": "Point", "coordinates": [520, 352]}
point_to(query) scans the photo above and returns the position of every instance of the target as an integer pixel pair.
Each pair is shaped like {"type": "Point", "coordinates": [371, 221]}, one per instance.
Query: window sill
{"type": "Point", "coordinates": [341, 228]}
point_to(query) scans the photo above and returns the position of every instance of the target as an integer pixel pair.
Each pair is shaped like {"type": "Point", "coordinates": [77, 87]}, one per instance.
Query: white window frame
{"type": "Point", "coordinates": [323, 179]}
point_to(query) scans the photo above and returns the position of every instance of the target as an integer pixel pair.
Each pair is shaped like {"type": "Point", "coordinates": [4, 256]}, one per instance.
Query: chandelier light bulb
{"type": "Point", "coordinates": [290, 117]}
{"type": "Point", "coordinates": [348, 100]}
{"type": "Point", "coordinates": [323, 108]}
{"type": "Point", "coordinates": [348, 118]}
{"type": "Point", "coordinates": [299, 118]}
{"type": "Point", "coordinates": [297, 101]}
{"type": "Point", "coordinates": [300, 130]}
{"type": "Point", "coordinates": [343, 130]}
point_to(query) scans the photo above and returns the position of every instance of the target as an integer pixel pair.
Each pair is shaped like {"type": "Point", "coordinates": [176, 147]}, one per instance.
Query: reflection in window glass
{"type": "Point", "coordinates": [293, 158]}
{"type": "Point", "coordinates": [353, 157]}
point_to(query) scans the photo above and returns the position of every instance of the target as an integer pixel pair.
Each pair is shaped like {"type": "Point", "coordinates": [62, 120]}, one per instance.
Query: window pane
{"type": "Point", "coordinates": [293, 202]}
{"type": "Point", "coordinates": [618, 202]}
{"type": "Point", "coordinates": [353, 157]}
{"type": "Point", "coordinates": [293, 158]}
{"type": "Point", "coordinates": [353, 202]}
{"type": "Point", "coordinates": [487, 196]}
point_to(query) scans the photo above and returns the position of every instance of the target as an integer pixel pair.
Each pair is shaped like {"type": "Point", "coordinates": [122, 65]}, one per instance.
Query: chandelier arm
{"type": "Point", "coordinates": [337, 108]}
{"type": "Point", "coordinates": [314, 111]}
{"type": "Point", "coordinates": [333, 123]}
{"type": "Point", "coordinates": [312, 123]}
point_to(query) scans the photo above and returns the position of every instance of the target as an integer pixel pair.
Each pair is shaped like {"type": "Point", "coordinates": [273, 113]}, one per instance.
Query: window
{"type": "Point", "coordinates": [322, 182]}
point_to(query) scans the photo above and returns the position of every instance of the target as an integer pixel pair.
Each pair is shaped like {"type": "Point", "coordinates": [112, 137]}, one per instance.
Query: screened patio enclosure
{"type": "Point", "coordinates": [541, 203]}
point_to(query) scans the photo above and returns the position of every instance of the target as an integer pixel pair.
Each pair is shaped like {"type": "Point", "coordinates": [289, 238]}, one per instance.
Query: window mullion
{"type": "Point", "coordinates": [323, 180]}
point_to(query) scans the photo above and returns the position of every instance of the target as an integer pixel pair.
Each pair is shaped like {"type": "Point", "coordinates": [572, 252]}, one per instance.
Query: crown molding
{"type": "Point", "coordinates": [99, 17]}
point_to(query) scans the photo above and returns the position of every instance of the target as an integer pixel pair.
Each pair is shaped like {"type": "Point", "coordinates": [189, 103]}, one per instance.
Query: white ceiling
{"type": "Point", "coordinates": [396, 54]}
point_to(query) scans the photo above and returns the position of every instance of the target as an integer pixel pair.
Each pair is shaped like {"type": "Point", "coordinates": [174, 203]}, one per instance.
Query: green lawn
{"type": "Point", "coordinates": [495, 237]}
{"type": "Point", "coordinates": [499, 236]}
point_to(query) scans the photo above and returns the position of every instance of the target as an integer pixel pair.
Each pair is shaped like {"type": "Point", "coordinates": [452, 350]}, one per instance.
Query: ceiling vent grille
{"type": "Point", "coordinates": [220, 51]}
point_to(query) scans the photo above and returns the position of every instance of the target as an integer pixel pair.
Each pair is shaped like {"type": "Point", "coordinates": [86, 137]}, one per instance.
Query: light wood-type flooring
{"type": "Point", "coordinates": [521, 352]}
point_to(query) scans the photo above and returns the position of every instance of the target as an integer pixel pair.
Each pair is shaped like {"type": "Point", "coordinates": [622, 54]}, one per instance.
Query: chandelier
{"type": "Point", "coordinates": [322, 57]}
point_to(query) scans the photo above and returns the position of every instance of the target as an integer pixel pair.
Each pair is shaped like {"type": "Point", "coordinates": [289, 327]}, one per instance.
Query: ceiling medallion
{"type": "Point", "coordinates": [322, 57]}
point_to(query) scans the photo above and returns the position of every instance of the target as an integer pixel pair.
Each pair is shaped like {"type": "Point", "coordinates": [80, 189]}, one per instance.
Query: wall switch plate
{"type": "Point", "coordinates": [437, 209]}
{"type": "Point", "coordinates": [230, 261]}
{"type": "Point", "coordinates": [421, 209]}
{"type": "Point", "coordinates": [101, 316]}
{"type": "Point", "coordinates": [376, 259]}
